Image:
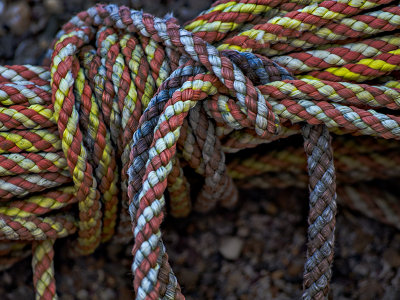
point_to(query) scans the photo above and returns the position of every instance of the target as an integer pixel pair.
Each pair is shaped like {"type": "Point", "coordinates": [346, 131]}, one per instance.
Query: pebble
{"type": "Point", "coordinates": [278, 274]}
{"type": "Point", "coordinates": [53, 6]}
{"type": "Point", "coordinates": [361, 269]}
{"type": "Point", "coordinates": [82, 294]}
{"type": "Point", "coordinates": [243, 232]}
{"type": "Point", "coordinates": [270, 208]}
{"type": "Point", "coordinates": [107, 294]}
{"type": "Point", "coordinates": [370, 289]}
{"type": "Point", "coordinates": [189, 278]}
{"type": "Point", "coordinates": [6, 278]}
{"type": "Point", "coordinates": [18, 17]}
{"type": "Point", "coordinates": [231, 247]}
{"type": "Point", "coordinates": [234, 280]}
{"type": "Point", "coordinates": [392, 256]}
{"type": "Point", "coordinates": [295, 269]}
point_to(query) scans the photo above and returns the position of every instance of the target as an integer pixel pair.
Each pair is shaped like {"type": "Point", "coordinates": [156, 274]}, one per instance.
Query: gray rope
{"type": "Point", "coordinates": [321, 219]}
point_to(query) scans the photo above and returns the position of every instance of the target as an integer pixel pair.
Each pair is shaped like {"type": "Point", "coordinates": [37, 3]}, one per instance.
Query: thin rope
{"type": "Point", "coordinates": [321, 218]}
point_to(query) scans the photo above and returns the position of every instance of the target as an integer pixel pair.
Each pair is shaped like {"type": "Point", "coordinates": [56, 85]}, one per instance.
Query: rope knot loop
{"type": "Point", "coordinates": [106, 65]}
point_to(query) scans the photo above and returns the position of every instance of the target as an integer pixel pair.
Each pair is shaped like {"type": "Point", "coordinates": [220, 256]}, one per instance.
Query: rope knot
{"type": "Point", "coordinates": [106, 66]}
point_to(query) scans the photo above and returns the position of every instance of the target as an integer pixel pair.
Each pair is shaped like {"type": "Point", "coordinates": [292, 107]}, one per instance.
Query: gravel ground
{"type": "Point", "coordinates": [256, 251]}
{"type": "Point", "coordinates": [253, 252]}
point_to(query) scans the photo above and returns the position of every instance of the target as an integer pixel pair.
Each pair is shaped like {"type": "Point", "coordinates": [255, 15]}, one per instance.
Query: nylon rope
{"type": "Point", "coordinates": [92, 141]}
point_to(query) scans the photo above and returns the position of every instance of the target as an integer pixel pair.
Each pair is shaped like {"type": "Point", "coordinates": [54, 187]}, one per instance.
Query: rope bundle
{"type": "Point", "coordinates": [130, 100]}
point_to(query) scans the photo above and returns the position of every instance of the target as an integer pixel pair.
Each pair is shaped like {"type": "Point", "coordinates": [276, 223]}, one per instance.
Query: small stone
{"type": "Point", "coordinates": [18, 17]}
{"type": "Point", "coordinates": [6, 279]}
{"type": "Point", "coordinates": [243, 232]}
{"type": "Point", "coordinates": [270, 208]}
{"type": "Point", "coordinates": [224, 228]}
{"type": "Point", "coordinates": [361, 269]}
{"type": "Point", "coordinates": [362, 241]}
{"type": "Point", "coordinates": [370, 289]}
{"type": "Point", "coordinates": [101, 275]}
{"type": "Point", "coordinates": [106, 294]}
{"type": "Point", "coordinates": [231, 247]}
{"type": "Point", "coordinates": [295, 270]}
{"type": "Point", "coordinates": [82, 294]}
{"type": "Point", "coordinates": [111, 281]}
{"type": "Point", "coordinates": [278, 274]}
{"type": "Point", "coordinates": [234, 280]}
{"type": "Point", "coordinates": [189, 278]}
{"type": "Point", "coordinates": [53, 6]}
{"type": "Point", "coordinates": [392, 257]}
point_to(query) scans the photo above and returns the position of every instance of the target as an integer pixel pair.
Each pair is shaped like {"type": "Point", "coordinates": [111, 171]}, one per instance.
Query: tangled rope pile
{"type": "Point", "coordinates": [90, 144]}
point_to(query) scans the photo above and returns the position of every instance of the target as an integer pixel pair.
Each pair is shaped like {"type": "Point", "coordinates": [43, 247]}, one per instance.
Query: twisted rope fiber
{"type": "Point", "coordinates": [42, 263]}
{"type": "Point", "coordinates": [317, 274]}
{"type": "Point", "coordinates": [161, 98]}
{"type": "Point", "coordinates": [372, 161]}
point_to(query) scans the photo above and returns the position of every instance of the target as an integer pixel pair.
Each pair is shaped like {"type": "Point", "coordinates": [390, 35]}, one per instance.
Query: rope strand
{"type": "Point", "coordinates": [321, 218]}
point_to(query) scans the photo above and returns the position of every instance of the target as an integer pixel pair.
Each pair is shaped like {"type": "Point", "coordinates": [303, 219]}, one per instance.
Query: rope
{"type": "Point", "coordinates": [321, 218]}
{"type": "Point", "coordinates": [373, 161]}
{"type": "Point", "coordinates": [90, 142]}
{"type": "Point", "coordinates": [43, 275]}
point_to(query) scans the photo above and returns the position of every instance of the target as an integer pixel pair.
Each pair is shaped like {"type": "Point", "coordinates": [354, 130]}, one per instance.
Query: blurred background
{"type": "Point", "coordinates": [256, 251]}
{"type": "Point", "coordinates": [28, 27]}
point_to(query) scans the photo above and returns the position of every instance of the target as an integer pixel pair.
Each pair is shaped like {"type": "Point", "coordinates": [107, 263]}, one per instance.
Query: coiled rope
{"type": "Point", "coordinates": [129, 100]}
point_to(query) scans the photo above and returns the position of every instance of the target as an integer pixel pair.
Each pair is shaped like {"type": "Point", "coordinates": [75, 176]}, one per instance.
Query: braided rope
{"type": "Point", "coordinates": [321, 218]}
{"type": "Point", "coordinates": [43, 275]}
{"type": "Point", "coordinates": [109, 128]}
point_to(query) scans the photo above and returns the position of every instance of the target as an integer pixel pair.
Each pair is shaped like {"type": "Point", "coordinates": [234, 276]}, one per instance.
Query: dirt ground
{"type": "Point", "coordinates": [264, 260]}
{"type": "Point", "coordinates": [255, 251]}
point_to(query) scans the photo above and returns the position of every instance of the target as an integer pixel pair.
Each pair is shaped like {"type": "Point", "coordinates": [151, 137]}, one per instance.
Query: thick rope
{"type": "Point", "coordinates": [129, 100]}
